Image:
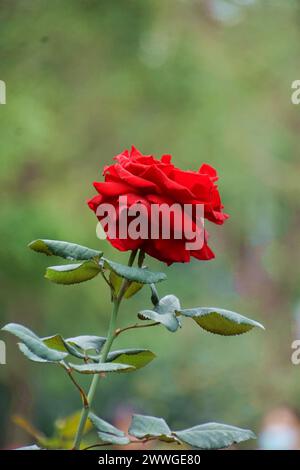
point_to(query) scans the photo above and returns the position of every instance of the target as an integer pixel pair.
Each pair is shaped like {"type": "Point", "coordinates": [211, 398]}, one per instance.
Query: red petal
{"type": "Point", "coordinates": [168, 251]}
{"type": "Point", "coordinates": [110, 189]}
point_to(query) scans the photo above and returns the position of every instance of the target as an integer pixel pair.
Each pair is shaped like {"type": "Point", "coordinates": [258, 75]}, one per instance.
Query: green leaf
{"type": "Point", "coordinates": [165, 312]}
{"type": "Point", "coordinates": [101, 368]}
{"type": "Point", "coordinates": [116, 281]}
{"type": "Point", "coordinates": [168, 320]}
{"type": "Point", "coordinates": [143, 276]}
{"type": "Point", "coordinates": [34, 343]}
{"type": "Point", "coordinates": [32, 447]}
{"type": "Point", "coordinates": [133, 357]}
{"type": "Point", "coordinates": [113, 440]}
{"type": "Point", "coordinates": [73, 273]}
{"type": "Point", "coordinates": [87, 342]}
{"type": "Point", "coordinates": [149, 426]}
{"type": "Point", "coordinates": [221, 322]}
{"type": "Point", "coordinates": [29, 354]}
{"type": "Point", "coordinates": [58, 343]}
{"type": "Point", "coordinates": [168, 304]}
{"type": "Point", "coordinates": [104, 426]}
{"type": "Point", "coordinates": [66, 427]}
{"type": "Point", "coordinates": [64, 431]}
{"type": "Point", "coordinates": [214, 435]}
{"type": "Point", "coordinates": [131, 290]}
{"type": "Point", "coordinates": [55, 342]}
{"type": "Point", "coordinates": [19, 330]}
{"type": "Point", "coordinates": [65, 250]}
{"type": "Point", "coordinates": [84, 343]}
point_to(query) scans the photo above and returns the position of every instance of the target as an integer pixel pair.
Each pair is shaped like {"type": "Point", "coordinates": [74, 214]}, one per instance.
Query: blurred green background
{"type": "Point", "coordinates": [207, 81]}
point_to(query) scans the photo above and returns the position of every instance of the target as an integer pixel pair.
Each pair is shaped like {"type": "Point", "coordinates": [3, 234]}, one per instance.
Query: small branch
{"type": "Point", "coordinates": [154, 294]}
{"type": "Point", "coordinates": [136, 325]}
{"type": "Point", "coordinates": [106, 280]}
{"type": "Point", "coordinates": [81, 391]}
{"type": "Point", "coordinates": [142, 441]}
{"type": "Point", "coordinates": [137, 441]}
{"type": "Point", "coordinates": [132, 257]}
{"type": "Point", "coordinates": [96, 445]}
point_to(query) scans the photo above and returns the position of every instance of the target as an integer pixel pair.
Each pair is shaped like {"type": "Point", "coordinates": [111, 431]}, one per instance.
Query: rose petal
{"type": "Point", "coordinates": [110, 189]}
{"type": "Point", "coordinates": [204, 254]}
{"type": "Point", "coordinates": [206, 169]}
{"type": "Point", "coordinates": [168, 251]}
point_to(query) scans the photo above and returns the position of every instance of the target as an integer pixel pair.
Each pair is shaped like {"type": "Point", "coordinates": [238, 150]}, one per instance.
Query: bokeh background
{"type": "Point", "coordinates": [207, 81]}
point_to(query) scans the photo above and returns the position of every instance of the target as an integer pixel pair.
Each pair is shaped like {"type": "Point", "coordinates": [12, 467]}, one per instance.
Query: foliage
{"type": "Point", "coordinates": [166, 311]}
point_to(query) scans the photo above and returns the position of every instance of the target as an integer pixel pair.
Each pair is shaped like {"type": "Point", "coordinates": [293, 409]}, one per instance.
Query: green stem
{"type": "Point", "coordinates": [111, 335]}
{"type": "Point", "coordinates": [94, 383]}
{"type": "Point", "coordinates": [141, 258]}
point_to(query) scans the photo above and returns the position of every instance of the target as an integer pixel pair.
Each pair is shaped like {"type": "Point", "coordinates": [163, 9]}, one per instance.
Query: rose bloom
{"type": "Point", "coordinates": [146, 180]}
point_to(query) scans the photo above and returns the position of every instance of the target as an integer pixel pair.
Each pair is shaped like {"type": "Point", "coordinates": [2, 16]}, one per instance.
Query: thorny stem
{"type": "Point", "coordinates": [111, 335]}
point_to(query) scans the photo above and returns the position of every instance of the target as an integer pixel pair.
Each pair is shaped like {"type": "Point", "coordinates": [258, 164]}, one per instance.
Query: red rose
{"type": "Point", "coordinates": [146, 180]}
